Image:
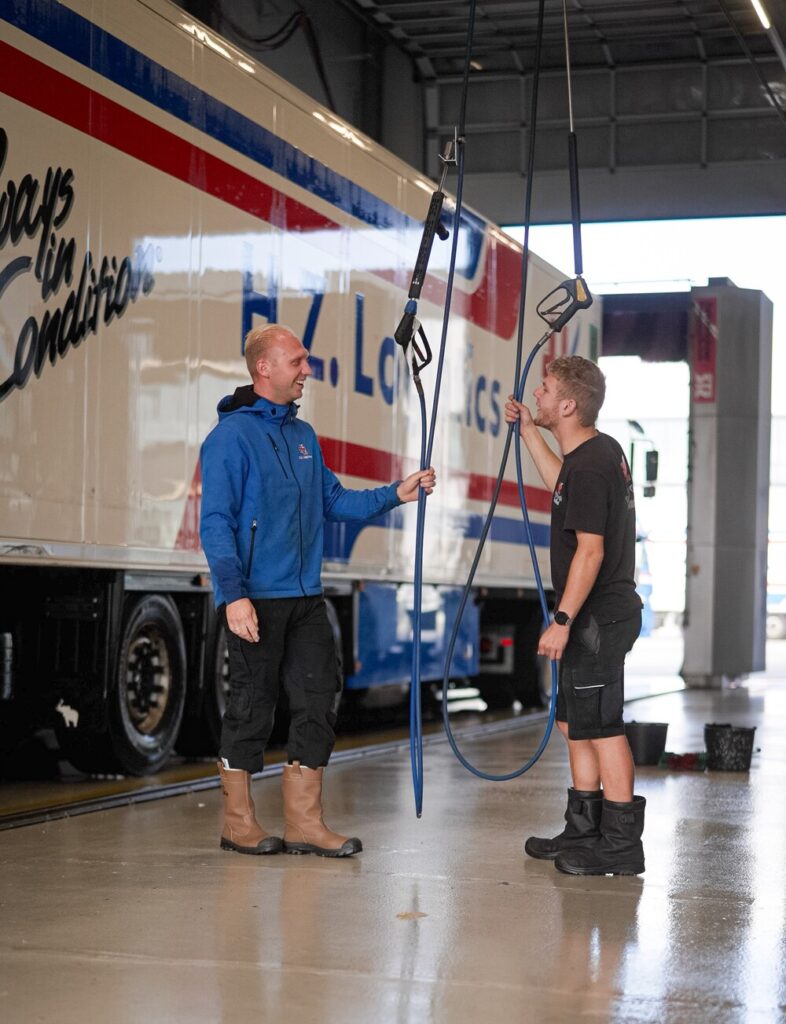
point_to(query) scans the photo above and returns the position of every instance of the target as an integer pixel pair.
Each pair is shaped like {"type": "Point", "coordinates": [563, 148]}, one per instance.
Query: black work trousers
{"type": "Point", "coordinates": [296, 651]}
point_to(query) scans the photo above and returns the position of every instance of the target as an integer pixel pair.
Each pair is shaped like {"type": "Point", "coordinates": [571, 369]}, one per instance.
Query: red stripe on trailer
{"type": "Point", "coordinates": [374, 464]}
{"type": "Point", "coordinates": [74, 104]}
{"type": "Point", "coordinates": [481, 488]}
{"type": "Point", "coordinates": [345, 457]}
{"type": "Point", "coordinates": [492, 306]}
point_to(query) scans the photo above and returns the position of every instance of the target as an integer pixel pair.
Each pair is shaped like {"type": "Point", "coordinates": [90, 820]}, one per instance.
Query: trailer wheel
{"type": "Point", "coordinates": [147, 694]}
{"type": "Point", "coordinates": [200, 733]}
{"type": "Point", "coordinates": [145, 698]}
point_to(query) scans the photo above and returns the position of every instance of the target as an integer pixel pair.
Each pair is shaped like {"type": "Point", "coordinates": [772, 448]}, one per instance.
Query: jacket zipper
{"type": "Point", "coordinates": [299, 506]}
{"type": "Point", "coordinates": [251, 551]}
{"type": "Point", "coordinates": [278, 456]}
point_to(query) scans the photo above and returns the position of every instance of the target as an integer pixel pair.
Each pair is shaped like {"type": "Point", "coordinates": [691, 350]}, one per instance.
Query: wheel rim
{"type": "Point", "coordinates": [148, 680]}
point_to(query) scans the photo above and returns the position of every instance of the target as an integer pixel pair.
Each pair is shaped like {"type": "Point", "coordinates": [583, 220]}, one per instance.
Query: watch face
{"type": "Point", "coordinates": [561, 618]}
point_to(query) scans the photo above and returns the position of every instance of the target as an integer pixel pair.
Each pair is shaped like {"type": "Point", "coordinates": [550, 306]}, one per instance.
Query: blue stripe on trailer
{"type": "Point", "coordinates": [340, 537]}
{"type": "Point", "coordinates": [86, 43]}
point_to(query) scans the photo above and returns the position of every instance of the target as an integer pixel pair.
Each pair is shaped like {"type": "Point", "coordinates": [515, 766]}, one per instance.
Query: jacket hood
{"type": "Point", "coordinates": [245, 399]}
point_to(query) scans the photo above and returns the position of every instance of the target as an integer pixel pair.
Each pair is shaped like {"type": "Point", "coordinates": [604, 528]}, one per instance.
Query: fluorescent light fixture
{"type": "Point", "coordinates": [763, 17]}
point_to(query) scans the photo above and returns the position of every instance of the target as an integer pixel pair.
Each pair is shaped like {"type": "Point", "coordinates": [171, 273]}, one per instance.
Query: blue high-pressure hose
{"type": "Point", "coordinates": [557, 315]}
{"type": "Point", "coordinates": [416, 739]}
{"type": "Point", "coordinates": [427, 442]}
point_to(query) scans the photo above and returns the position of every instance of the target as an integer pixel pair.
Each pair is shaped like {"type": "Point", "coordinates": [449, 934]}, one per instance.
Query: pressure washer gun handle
{"type": "Point", "coordinates": [433, 226]}
{"type": "Point", "coordinates": [422, 356]}
{"type": "Point", "coordinates": [408, 327]}
{"type": "Point", "coordinates": [561, 305]}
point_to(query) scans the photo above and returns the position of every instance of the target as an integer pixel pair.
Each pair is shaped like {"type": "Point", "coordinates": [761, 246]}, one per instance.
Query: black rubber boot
{"type": "Point", "coordinates": [619, 850]}
{"type": "Point", "coordinates": [582, 826]}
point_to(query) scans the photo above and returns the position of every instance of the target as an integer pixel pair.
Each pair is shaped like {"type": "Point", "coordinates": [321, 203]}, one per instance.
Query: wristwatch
{"type": "Point", "coordinates": [562, 618]}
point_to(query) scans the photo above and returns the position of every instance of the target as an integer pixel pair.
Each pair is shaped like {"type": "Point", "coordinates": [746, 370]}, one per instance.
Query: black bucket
{"type": "Point", "coordinates": [647, 740]}
{"type": "Point", "coordinates": [729, 747]}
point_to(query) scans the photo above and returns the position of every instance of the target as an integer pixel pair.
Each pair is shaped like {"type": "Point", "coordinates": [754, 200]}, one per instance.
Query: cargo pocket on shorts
{"type": "Point", "coordinates": [587, 702]}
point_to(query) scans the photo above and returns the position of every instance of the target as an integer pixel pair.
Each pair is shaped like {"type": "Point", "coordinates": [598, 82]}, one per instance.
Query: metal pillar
{"type": "Point", "coordinates": [728, 484]}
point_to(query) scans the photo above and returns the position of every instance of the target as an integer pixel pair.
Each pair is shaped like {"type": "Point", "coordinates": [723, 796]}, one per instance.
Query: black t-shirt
{"type": "Point", "coordinates": [594, 494]}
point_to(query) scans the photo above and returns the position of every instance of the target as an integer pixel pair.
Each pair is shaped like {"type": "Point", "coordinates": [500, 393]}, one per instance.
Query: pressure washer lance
{"type": "Point", "coordinates": [409, 326]}
{"type": "Point", "coordinates": [405, 334]}
{"type": "Point", "coordinates": [556, 309]}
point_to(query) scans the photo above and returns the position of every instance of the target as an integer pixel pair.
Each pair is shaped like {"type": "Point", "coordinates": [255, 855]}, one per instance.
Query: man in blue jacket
{"type": "Point", "coordinates": [266, 494]}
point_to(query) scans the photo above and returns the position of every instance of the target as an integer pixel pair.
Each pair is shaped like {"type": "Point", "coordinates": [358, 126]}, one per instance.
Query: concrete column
{"type": "Point", "coordinates": [728, 484]}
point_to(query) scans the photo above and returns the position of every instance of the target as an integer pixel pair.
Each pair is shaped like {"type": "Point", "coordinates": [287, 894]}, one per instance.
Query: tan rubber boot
{"type": "Point", "coordinates": [242, 832]}
{"type": "Point", "coordinates": [305, 829]}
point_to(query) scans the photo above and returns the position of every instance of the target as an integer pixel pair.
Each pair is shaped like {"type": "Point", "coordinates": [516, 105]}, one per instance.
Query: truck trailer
{"type": "Point", "coordinates": [161, 192]}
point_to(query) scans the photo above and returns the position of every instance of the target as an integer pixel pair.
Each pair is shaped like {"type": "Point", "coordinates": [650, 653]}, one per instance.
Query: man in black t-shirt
{"type": "Point", "coordinates": [597, 617]}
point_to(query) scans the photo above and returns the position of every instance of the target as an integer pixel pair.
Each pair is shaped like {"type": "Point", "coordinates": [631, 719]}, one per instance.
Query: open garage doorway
{"type": "Point", "coordinates": [655, 261]}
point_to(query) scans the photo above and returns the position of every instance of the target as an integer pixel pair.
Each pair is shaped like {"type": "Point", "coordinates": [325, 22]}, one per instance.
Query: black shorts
{"type": "Point", "coordinates": [591, 682]}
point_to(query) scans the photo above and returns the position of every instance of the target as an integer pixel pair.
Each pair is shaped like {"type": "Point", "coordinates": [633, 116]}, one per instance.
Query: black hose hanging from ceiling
{"type": "Point", "coordinates": [298, 20]}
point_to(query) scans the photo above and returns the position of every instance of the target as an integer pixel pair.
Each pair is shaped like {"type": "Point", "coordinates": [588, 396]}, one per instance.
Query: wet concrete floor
{"type": "Point", "coordinates": [134, 914]}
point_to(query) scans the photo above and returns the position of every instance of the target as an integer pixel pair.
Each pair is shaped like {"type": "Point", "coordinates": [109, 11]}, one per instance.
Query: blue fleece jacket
{"type": "Point", "coordinates": [266, 493]}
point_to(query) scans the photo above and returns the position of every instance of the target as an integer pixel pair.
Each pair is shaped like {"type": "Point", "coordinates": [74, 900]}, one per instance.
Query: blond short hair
{"type": "Point", "coordinates": [259, 341]}
{"type": "Point", "coordinates": [581, 380]}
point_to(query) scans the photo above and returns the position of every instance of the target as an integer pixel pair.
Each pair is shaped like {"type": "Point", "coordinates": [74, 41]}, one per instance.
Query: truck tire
{"type": "Point", "coordinates": [148, 692]}
{"type": "Point", "coordinates": [200, 733]}
{"type": "Point", "coordinates": [145, 697]}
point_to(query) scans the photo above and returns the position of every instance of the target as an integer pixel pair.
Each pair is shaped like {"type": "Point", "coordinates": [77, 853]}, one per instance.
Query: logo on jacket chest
{"type": "Point", "coordinates": [302, 452]}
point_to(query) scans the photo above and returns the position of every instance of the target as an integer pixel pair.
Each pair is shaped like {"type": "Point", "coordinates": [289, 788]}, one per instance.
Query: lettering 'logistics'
{"type": "Point", "coordinates": [384, 374]}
